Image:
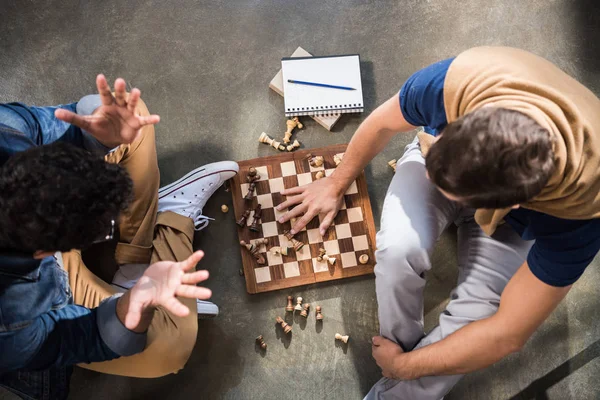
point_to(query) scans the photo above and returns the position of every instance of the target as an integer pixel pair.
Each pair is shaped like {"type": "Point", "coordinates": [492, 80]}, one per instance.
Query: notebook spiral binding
{"type": "Point", "coordinates": [324, 112]}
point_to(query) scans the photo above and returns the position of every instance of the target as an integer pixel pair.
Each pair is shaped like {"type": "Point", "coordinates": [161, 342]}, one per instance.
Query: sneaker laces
{"type": "Point", "coordinates": [201, 221]}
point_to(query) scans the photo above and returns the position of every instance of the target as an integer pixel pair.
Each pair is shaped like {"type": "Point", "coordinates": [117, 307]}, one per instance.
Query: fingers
{"type": "Point", "coordinates": [191, 261]}
{"type": "Point", "coordinates": [132, 319]}
{"type": "Point", "coordinates": [326, 222]}
{"type": "Point", "coordinates": [132, 102]}
{"type": "Point", "coordinates": [72, 118]}
{"type": "Point", "coordinates": [302, 222]}
{"type": "Point", "coordinates": [104, 90]}
{"type": "Point", "coordinates": [290, 202]}
{"type": "Point", "coordinates": [120, 92]}
{"type": "Point", "coordinates": [194, 277]}
{"type": "Point", "coordinates": [176, 307]}
{"type": "Point", "coordinates": [294, 190]}
{"type": "Point", "coordinates": [149, 120]}
{"type": "Point", "coordinates": [293, 213]}
{"type": "Point", "coordinates": [193, 292]}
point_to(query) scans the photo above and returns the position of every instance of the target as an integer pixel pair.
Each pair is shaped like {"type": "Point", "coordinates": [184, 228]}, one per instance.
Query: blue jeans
{"type": "Point", "coordinates": [51, 384]}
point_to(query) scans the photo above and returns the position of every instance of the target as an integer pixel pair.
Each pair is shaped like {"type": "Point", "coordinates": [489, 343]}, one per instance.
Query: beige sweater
{"type": "Point", "coordinates": [521, 81]}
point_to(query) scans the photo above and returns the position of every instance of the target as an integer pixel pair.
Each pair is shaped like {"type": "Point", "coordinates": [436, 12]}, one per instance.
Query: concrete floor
{"type": "Point", "coordinates": [204, 66]}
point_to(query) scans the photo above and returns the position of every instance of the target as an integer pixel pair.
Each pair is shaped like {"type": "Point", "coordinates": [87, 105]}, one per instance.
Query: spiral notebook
{"type": "Point", "coordinates": [302, 99]}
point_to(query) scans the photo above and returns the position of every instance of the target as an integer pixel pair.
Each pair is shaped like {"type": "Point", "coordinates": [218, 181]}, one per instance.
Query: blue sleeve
{"type": "Point", "coordinates": [68, 336]}
{"type": "Point", "coordinates": [559, 259]}
{"type": "Point", "coordinates": [422, 97]}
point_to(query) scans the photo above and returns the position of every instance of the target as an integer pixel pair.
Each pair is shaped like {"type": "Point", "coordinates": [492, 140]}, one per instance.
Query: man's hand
{"type": "Point", "coordinates": [319, 197]}
{"type": "Point", "coordinates": [387, 353]}
{"type": "Point", "coordinates": [159, 286]}
{"type": "Point", "coordinates": [115, 122]}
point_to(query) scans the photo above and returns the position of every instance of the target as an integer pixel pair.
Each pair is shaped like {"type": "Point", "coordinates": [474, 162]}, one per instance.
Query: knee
{"type": "Point", "coordinates": [400, 259]}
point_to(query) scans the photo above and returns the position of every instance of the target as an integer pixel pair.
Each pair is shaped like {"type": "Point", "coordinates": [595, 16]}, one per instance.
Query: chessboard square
{"type": "Point", "coordinates": [244, 189]}
{"type": "Point", "coordinates": [314, 236]}
{"type": "Point", "coordinates": [288, 168]}
{"type": "Point", "coordinates": [303, 253]}
{"type": "Point", "coordinates": [341, 217]}
{"type": "Point", "coordinates": [355, 214]}
{"type": "Point", "coordinates": [303, 179]}
{"type": "Point", "coordinates": [291, 269]}
{"type": "Point", "coordinates": [279, 214]}
{"type": "Point", "coordinates": [290, 181]}
{"type": "Point", "coordinates": [320, 266]}
{"type": "Point", "coordinates": [284, 242]}
{"type": "Point", "coordinates": [269, 229]}
{"type": "Point", "coordinates": [262, 274]}
{"type": "Point", "coordinates": [276, 185]}
{"type": "Point", "coordinates": [352, 189]}
{"type": "Point", "coordinates": [250, 218]}
{"type": "Point", "coordinates": [264, 173]}
{"type": "Point", "coordinates": [343, 231]}
{"type": "Point", "coordinates": [268, 215]}
{"type": "Point", "coordinates": [262, 187]}
{"type": "Point", "coordinates": [360, 242]}
{"type": "Point", "coordinates": [274, 259]}
{"type": "Point", "coordinates": [265, 200]}
{"type": "Point", "coordinates": [331, 247]}
{"type": "Point", "coordinates": [348, 260]}
{"type": "Point", "coordinates": [328, 172]}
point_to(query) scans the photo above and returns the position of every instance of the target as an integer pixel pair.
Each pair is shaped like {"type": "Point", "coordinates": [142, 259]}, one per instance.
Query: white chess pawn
{"type": "Point", "coordinates": [298, 304]}
{"type": "Point", "coordinates": [343, 338]}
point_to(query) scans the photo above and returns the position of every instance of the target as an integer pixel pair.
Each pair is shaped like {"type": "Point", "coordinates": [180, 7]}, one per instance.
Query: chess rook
{"type": "Point", "coordinates": [343, 338]}
{"type": "Point", "coordinates": [304, 312]}
{"type": "Point", "coordinates": [318, 315]}
{"type": "Point", "coordinates": [290, 305]}
{"type": "Point", "coordinates": [261, 342]}
{"type": "Point", "coordinates": [286, 328]}
{"type": "Point", "coordinates": [242, 221]}
{"type": "Point", "coordinates": [298, 304]}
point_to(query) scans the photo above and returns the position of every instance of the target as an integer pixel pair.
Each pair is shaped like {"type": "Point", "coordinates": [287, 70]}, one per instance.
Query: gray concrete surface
{"type": "Point", "coordinates": [204, 66]}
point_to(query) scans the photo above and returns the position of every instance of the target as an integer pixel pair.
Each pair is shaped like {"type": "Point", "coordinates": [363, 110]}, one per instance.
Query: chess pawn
{"type": "Point", "coordinates": [318, 315]}
{"type": "Point", "coordinates": [337, 159]}
{"type": "Point", "coordinates": [330, 260]}
{"type": "Point", "coordinates": [392, 163]}
{"type": "Point", "coordinates": [320, 175]}
{"type": "Point", "coordinates": [295, 243]}
{"type": "Point", "coordinates": [304, 312]}
{"type": "Point", "coordinates": [343, 338]}
{"type": "Point", "coordinates": [252, 172]}
{"type": "Point", "coordinates": [298, 304]}
{"type": "Point", "coordinates": [261, 341]}
{"type": "Point", "coordinates": [242, 221]}
{"type": "Point", "coordinates": [256, 216]}
{"type": "Point", "coordinates": [293, 146]}
{"type": "Point", "coordinates": [363, 259]}
{"type": "Point", "coordinates": [290, 305]}
{"type": "Point", "coordinates": [286, 328]}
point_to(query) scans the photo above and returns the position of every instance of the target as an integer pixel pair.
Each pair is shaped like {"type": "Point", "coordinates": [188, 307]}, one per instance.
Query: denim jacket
{"type": "Point", "coordinates": [40, 327]}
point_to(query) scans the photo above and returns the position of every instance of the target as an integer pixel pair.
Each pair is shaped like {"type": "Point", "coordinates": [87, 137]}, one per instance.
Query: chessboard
{"type": "Point", "coordinates": [351, 235]}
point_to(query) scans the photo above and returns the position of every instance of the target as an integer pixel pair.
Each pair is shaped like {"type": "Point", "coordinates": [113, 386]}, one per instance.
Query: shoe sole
{"type": "Point", "coordinates": [195, 175]}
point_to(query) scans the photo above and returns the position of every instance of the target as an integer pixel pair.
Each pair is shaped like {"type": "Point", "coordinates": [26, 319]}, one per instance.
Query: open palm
{"type": "Point", "coordinates": [116, 121]}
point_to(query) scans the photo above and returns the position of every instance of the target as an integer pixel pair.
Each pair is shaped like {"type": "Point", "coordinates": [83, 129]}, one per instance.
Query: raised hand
{"type": "Point", "coordinates": [160, 285]}
{"type": "Point", "coordinates": [322, 197]}
{"type": "Point", "coordinates": [115, 122]}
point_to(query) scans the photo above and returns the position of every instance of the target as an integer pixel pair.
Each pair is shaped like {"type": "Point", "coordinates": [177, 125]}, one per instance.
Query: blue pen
{"type": "Point", "coordinates": [320, 85]}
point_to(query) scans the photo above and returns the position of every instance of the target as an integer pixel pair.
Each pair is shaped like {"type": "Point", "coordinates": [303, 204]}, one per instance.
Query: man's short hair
{"type": "Point", "coordinates": [59, 197]}
{"type": "Point", "coordinates": [492, 158]}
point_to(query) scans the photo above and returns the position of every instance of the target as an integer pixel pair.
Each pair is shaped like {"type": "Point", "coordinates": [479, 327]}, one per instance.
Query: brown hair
{"type": "Point", "coordinates": [492, 158]}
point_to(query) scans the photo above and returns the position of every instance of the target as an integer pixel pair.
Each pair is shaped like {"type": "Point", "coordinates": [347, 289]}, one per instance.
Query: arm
{"type": "Point", "coordinates": [525, 303]}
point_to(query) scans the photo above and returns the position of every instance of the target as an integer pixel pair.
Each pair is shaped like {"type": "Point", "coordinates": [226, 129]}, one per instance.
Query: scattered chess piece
{"type": "Point", "coordinates": [320, 175]}
{"type": "Point", "coordinates": [363, 259]}
{"type": "Point", "coordinates": [253, 175]}
{"type": "Point", "coordinates": [259, 242]}
{"type": "Point", "coordinates": [337, 159]}
{"type": "Point", "coordinates": [253, 249]}
{"type": "Point", "coordinates": [286, 328]}
{"type": "Point", "coordinates": [315, 161]}
{"type": "Point", "coordinates": [295, 243]}
{"type": "Point", "coordinates": [224, 208]}
{"type": "Point", "coordinates": [392, 163]}
{"type": "Point", "coordinates": [290, 305]}
{"type": "Point", "coordinates": [304, 312]}
{"type": "Point", "coordinates": [275, 250]}
{"type": "Point", "coordinates": [256, 216]}
{"type": "Point", "coordinates": [318, 315]}
{"type": "Point", "coordinates": [324, 257]}
{"type": "Point", "coordinates": [285, 251]}
{"type": "Point", "coordinates": [298, 304]}
{"type": "Point", "coordinates": [242, 221]}
{"type": "Point", "coordinates": [264, 138]}
{"type": "Point", "coordinates": [321, 254]}
{"type": "Point", "coordinates": [291, 124]}
{"type": "Point", "coordinates": [343, 338]}
{"type": "Point", "coordinates": [293, 146]}
{"type": "Point", "coordinates": [330, 260]}
{"type": "Point", "coordinates": [250, 193]}
{"type": "Point", "coordinates": [261, 341]}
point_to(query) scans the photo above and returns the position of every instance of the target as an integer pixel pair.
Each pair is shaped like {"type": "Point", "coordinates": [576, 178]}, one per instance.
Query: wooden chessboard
{"type": "Point", "coordinates": [351, 235]}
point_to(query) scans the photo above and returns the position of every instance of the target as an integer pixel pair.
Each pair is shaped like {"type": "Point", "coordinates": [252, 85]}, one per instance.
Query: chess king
{"type": "Point", "coordinates": [510, 153]}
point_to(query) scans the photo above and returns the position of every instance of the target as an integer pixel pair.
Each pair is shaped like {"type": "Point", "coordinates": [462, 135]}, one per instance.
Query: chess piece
{"type": "Point", "coordinates": [304, 312]}
{"type": "Point", "coordinates": [295, 243]}
{"type": "Point", "coordinates": [250, 193]}
{"type": "Point", "coordinates": [252, 172]}
{"type": "Point", "coordinates": [253, 249]}
{"type": "Point", "coordinates": [290, 306]}
{"type": "Point", "coordinates": [242, 221]}
{"type": "Point", "coordinates": [315, 161]}
{"type": "Point", "coordinates": [224, 208]}
{"type": "Point", "coordinates": [264, 138]}
{"type": "Point", "coordinates": [321, 254]}
{"type": "Point", "coordinates": [298, 304]}
{"type": "Point", "coordinates": [256, 216]}
{"type": "Point", "coordinates": [320, 175]}
{"type": "Point", "coordinates": [363, 259]}
{"type": "Point", "coordinates": [285, 251]}
{"type": "Point", "coordinates": [261, 341]}
{"type": "Point", "coordinates": [275, 250]}
{"type": "Point", "coordinates": [330, 260]}
{"type": "Point", "coordinates": [343, 338]}
{"type": "Point", "coordinates": [259, 242]}
{"type": "Point", "coordinates": [392, 163]}
{"type": "Point", "coordinates": [291, 124]}
{"type": "Point", "coordinates": [318, 315]}
{"type": "Point", "coordinates": [337, 159]}
{"type": "Point", "coordinates": [293, 146]}
{"type": "Point", "coordinates": [286, 328]}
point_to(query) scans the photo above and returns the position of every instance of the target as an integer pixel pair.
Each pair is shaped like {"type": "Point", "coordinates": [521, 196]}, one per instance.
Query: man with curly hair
{"type": "Point", "coordinates": [79, 174]}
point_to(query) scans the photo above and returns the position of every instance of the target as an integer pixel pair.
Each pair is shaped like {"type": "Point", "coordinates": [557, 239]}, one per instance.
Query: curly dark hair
{"type": "Point", "coordinates": [59, 197]}
{"type": "Point", "coordinates": [492, 158]}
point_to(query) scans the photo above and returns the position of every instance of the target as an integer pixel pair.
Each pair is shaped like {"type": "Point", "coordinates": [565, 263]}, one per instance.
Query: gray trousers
{"type": "Point", "coordinates": [414, 215]}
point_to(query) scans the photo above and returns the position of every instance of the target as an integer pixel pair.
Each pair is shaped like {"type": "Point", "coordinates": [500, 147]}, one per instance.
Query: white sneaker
{"type": "Point", "coordinates": [188, 195]}
{"type": "Point", "coordinates": [206, 309]}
